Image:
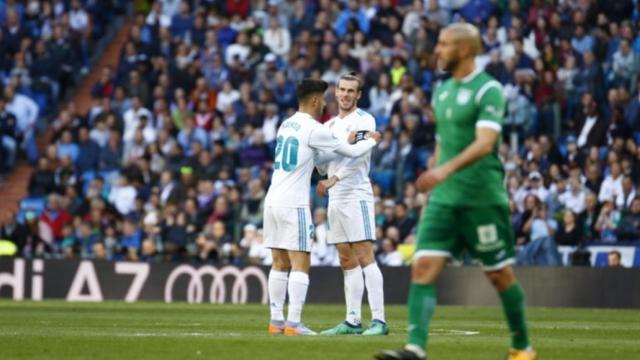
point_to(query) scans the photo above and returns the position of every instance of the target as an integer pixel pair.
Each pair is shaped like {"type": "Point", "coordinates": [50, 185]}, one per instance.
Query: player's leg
{"type": "Point", "coordinates": [489, 237]}
{"type": "Point", "coordinates": [437, 239]}
{"type": "Point", "coordinates": [278, 279]}
{"type": "Point", "coordinates": [279, 274]}
{"type": "Point", "coordinates": [352, 273]}
{"type": "Point", "coordinates": [298, 286]}
{"type": "Point", "coordinates": [299, 277]}
{"type": "Point", "coordinates": [375, 287]}
{"type": "Point", "coordinates": [513, 304]}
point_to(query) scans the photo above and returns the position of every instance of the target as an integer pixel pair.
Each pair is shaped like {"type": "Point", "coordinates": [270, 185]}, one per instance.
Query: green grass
{"type": "Point", "coordinates": [58, 330]}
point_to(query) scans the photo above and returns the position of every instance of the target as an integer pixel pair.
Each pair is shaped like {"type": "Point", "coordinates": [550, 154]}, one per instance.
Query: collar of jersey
{"type": "Point", "coordinates": [304, 114]}
{"type": "Point", "coordinates": [472, 75]}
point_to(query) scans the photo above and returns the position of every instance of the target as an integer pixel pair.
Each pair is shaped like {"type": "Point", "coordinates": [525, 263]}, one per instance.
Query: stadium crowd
{"type": "Point", "coordinates": [43, 44]}
{"type": "Point", "coordinates": [173, 160]}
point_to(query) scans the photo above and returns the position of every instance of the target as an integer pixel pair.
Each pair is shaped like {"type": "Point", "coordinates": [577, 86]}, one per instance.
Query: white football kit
{"type": "Point", "coordinates": [351, 213]}
{"type": "Point", "coordinates": [287, 218]}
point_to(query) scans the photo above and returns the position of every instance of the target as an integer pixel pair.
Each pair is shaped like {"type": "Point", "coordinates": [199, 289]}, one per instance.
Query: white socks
{"type": "Point", "coordinates": [298, 285]}
{"type": "Point", "coordinates": [353, 291]}
{"type": "Point", "coordinates": [375, 292]}
{"type": "Point", "coordinates": [277, 293]}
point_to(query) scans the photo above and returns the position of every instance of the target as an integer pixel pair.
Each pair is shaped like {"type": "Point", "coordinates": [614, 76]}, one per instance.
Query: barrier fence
{"type": "Point", "coordinates": [87, 280]}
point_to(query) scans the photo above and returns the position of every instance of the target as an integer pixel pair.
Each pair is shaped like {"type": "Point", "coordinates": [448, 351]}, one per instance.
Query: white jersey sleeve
{"type": "Point", "coordinates": [323, 140]}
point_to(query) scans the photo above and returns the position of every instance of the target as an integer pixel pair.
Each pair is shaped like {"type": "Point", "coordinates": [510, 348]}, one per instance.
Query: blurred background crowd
{"type": "Point", "coordinates": [174, 158]}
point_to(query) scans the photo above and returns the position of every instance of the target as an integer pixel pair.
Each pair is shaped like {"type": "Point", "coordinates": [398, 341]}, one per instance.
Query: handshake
{"type": "Point", "coordinates": [360, 135]}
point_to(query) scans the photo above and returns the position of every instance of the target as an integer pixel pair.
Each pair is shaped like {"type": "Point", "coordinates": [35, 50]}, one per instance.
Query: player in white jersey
{"type": "Point", "coordinates": [288, 228]}
{"type": "Point", "coordinates": [351, 216]}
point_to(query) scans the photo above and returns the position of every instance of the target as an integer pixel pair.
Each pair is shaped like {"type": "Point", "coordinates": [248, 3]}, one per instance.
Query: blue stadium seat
{"type": "Point", "coordinates": [87, 178]}
{"type": "Point", "coordinates": [384, 179]}
{"type": "Point", "coordinates": [601, 260]}
{"type": "Point", "coordinates": [603, 152]}
{"type": "Point", "coordinates": [382, 122]}
{"type": "Point", "coordinates": [636, 137]}
{"type": "Point", "coordinates": [34, 204]}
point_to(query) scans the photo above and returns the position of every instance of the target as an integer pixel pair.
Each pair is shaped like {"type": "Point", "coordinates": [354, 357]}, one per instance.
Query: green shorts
{"type": "Point", "coordinates": [485, 232]}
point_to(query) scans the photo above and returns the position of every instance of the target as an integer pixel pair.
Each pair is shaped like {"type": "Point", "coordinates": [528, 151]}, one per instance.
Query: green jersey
{"type": "Point", "coordinates": [460, 106]}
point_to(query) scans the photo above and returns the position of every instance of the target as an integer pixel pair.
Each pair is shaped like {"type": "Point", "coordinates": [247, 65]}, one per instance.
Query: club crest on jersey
{"type": "Point", "coordinates": [443, 96]}
{"type": "Point", "coordinates": [463, 96]}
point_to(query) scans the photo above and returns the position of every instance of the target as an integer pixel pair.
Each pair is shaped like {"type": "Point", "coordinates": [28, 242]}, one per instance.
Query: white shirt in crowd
{"type": "Point", "coordinates": [270, 128]}
{"type": "Point", "coordinates": [623, 202]}
{"type": "Point", "coordinates": [26, 112]}
{"type": "Point", "coordinates": [584, 133]}
{"type": "Point", "coordinates": [323, 254]}
{"type": "Point", "coordinates": [575, 202]}
{"type": "Point", "coordinates": [610, 188]}
{"type": "Point", "coordinates": [78, 20]}
{"type": "Point", "coordinates": [123, 198]}
{"type": "Point", "coordinates": [131, 119]}
{"type": "Point", "coordinates": [393, 258]}
{"type": "Point", "coordinates": [278, 41]}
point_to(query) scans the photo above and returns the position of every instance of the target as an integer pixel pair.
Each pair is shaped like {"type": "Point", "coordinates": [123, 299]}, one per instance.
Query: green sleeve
{"type": "Point", "coordinates": [491, 106]}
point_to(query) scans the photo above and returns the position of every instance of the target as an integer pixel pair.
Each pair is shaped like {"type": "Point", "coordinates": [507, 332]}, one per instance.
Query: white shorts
{"type": "Point", "coordinates": [351, 221]}
{"type": "Point", "coordinates": [288, 228]}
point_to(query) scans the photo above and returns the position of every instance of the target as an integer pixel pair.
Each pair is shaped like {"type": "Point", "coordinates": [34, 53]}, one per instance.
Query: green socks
{"type": "Point", "coordinates": [513, 306]}
{"type": "Point", "coordinates": [422, 303]}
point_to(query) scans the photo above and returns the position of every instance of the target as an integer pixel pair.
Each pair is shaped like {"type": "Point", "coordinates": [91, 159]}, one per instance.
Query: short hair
{"type": "Point", "coordinates": [616, 253]}
{"type": "Point", "coordinates": [352, 76]}
{"type": "Point", "coordinates": [308, 86]}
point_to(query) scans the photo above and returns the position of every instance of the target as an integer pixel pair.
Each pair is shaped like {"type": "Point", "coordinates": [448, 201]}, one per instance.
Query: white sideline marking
{"type": "Point", "coordinates": [136, 334]}
{"type": "Point", "coordinates": [452, 332]}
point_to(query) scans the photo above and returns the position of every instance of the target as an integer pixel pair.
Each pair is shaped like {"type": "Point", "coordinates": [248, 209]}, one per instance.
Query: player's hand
{"type": "Point", "coordinates": [351, 139]}
{"type": "Point", "coordinates": [324, 185]}
{"type": "Point", "coordinates": [375, 136]}
{"type": "Point", "coordinates": [430, 179]}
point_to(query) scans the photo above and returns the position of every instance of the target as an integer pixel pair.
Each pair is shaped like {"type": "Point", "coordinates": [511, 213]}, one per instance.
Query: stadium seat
{"type": "Point", "coordinates": [601, 260]}
{"type": "Point", "coordinates": [31, 204]}
{"type": "Point", "coordinates": [384, 179]}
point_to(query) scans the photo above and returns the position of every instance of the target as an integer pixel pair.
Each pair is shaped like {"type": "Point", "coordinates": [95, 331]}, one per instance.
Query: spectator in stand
{"type": "Point", "coordinates": [614, 259]}
{"type": "Point", "coordinates": [611, 186]}
{"type": "Point", "coordinates": [14, 231]}
{"type": "Point", "coordinates": [389, 256]}
{"type": "Point", "coordinates": [201, 89]}
{"type": "Point", "coordinates": [575, 198]}
{"type": "Point", "coordinates": [52, 220]}
{"type": "Point", "coordinates": [607, 222]}
{"type": "Point", "coordinates": [629, 227]}
{"type": "Point", "coordinates": [542, 248]}
{"type": "Point", "coordinates": [26, 113]}
{"type": "Point", "coordinates": [569, 232]}
{"type": "Point", "coordinates": [8, 138]}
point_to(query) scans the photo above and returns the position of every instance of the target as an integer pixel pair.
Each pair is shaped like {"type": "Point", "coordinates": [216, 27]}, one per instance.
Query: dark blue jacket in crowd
{"type": "Point", "coordinates": [88, 156]}
{"type": "Point", "coordinates": [180, 25]}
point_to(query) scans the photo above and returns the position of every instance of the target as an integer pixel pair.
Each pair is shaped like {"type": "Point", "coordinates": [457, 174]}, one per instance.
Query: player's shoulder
{"type": "Point", "coordinates": [366, 116]}
{"type": "Point", "coordinates": [487, 85]}
{"type": "Point", "coordinates": [362, 113]}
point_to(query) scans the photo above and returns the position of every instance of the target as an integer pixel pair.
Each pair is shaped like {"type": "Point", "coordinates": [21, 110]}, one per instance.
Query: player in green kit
{"type": "Point", "coordinates": [468, 208]}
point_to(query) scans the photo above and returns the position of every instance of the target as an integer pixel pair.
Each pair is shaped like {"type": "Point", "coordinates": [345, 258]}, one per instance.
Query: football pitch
{"type": "Point", "coordinates": [114, 330]}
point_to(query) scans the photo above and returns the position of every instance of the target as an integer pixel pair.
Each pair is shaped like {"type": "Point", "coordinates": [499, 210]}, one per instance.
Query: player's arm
{"type": "Point", "coordinates": [487, 133]}
{"type": "Point", "coordinates": [322, 139]}
{"type": "Point", "coordinates": [433, 161]}
{"type": "Point", "coordinates": [352, 165]}
{"type": "Point", "coordinates": [323, 158]}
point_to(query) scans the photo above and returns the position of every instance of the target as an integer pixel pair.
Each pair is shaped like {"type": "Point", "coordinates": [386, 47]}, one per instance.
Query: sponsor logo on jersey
{"type": "Point", "coordinates": [463, 97]}
{"type": "Point", "coordinates": [491, 109]}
